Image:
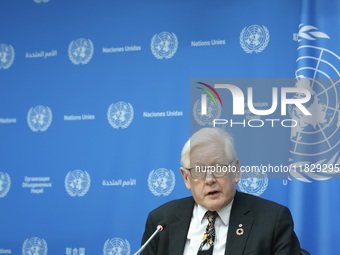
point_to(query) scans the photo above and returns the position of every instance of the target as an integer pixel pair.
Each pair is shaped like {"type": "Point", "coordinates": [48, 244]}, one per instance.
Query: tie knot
{"type": "Point", "coordinates": [211, 216]}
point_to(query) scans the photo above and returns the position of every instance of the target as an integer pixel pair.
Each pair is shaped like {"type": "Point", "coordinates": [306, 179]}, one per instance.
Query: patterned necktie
{"type": "Point", "coordinates": [207, 244]}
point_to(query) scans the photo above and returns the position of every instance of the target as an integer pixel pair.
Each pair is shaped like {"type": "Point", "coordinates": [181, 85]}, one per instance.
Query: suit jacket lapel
{"type": "Point", "coordinates": [239, 220]}
{"type": "Point", "coordinates": [178, 230]}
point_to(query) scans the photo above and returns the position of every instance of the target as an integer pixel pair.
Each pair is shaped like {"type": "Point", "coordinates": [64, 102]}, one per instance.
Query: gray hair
{"type": "Point", "coordinates": [206, 135]}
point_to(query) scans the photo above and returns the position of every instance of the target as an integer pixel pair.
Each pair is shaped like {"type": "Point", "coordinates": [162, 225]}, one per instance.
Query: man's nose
{"type": "Point", "coordinates": [209, 178]}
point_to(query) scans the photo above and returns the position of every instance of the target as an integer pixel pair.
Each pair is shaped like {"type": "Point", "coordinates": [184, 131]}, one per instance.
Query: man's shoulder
{"type": "Point", "coordinates": [174, 205]}
{"type": "Point", "coordinates": [180, 209]}
{"type": "Point", "coordinates": [259, 203]}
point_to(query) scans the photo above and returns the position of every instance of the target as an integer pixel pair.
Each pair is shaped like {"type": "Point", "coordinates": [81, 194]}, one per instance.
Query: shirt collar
{"type": "Point", "coordinates": [224, 213]}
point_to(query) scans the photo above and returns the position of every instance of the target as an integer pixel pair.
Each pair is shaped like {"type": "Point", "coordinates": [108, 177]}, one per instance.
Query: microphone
{"type": "Point", "coordinates": [158, 229]}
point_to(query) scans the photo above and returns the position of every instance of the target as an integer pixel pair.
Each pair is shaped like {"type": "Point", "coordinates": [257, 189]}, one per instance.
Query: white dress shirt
{"type": "Point", "coordinates": [197, 228]}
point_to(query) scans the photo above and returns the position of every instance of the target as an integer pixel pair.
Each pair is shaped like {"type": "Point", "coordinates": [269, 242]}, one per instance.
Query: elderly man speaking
{"type": "Point", "coordinates": [217, 219]}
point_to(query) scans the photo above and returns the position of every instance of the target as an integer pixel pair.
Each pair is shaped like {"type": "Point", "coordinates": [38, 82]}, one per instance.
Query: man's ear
{"type": "Point", "coordinates": [237, 173]}
{"type": "Point", "coordinates": [185, 174]}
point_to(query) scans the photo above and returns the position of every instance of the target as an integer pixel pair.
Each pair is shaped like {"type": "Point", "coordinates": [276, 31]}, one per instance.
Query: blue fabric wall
{"type": "Point", "coordinates": [95, 108]}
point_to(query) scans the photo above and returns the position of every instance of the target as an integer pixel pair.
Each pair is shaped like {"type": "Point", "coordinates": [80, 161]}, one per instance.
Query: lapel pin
{"type": "Point", "coordinates": [240, 230]}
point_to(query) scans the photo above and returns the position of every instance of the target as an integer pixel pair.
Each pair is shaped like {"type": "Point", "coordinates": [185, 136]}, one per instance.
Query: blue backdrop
{"type": "Point", "coordinates": [95, 108]}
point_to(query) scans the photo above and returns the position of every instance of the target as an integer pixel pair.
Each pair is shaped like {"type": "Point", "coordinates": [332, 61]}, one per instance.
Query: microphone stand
{"type": "Point", "coordinates": [159, 228]}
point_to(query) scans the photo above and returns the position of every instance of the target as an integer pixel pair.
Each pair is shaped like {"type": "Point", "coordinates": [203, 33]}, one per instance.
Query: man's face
{"type": "Point", "coordinates": [210, 192]}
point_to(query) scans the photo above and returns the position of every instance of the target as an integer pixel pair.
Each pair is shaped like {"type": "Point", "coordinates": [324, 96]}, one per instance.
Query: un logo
{"type": "Point", "coordinates": [315, 139]}
{"type": "Point", "coordinates": [254, 38]}
{"type": "Point", "coordinates": [164, 45]}
{"type": "Point", "coordinates": [77, 183]}
{"type": "Point", "coordinates": [80, 51]}
{"type": "Point", "coordinates": [120, 115]}
{"type": "Point", "coordinates": [213, 112]}
{"type": "Point", "coordinates": [116, 246]}
{"type": "Point", "coordinates": [39, 118]}
{"type": "Point", "coordinates": [161, 181]}
{"type": "Point", "coordinates": [6, 56]}
{"type": "Point", "coordinates": [5, 184]}
{"type": "Point", "coordinates": [254, 183]}
{"type": "Point", "coordinates": [34, 246]}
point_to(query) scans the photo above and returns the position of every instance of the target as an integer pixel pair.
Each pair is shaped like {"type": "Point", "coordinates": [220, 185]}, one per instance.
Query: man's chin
{"type": "Point", "coordinates": [214, 205]}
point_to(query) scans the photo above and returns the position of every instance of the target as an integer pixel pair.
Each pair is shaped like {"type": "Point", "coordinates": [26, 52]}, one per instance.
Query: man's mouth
{"type": "Point", "coordinates": [212, 193]}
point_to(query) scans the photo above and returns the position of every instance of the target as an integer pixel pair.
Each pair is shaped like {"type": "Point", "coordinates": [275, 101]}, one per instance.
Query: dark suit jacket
{"type": "Point", "coordinates": [268, 228]}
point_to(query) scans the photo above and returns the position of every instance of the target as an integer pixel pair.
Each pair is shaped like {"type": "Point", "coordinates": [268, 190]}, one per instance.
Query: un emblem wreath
{"type": "Point", "coordinates": [161, 181]}
{"type": "Point", "coordinates": [80, 51]}
{"type": "Point", "coordinates": [5, 184]}
{"type": "Point", "coordinates": [164, 45]}
{"type": "Point", "coordinates": [34, 245]}
{"type": "Point", "coordinates": [213, 112]}
{"type": "Point", "coordinates": [120, 115]}
{"type": "Point", "coordinates": [115, 244]}
{"type": "Point", "coordinates": [254, 183]}
{"type": "Point", "coordinates": [77, 183]}
{"type": "Point", "coordinates": [254, 38]}
{"type": "Point", "coordinates": [39, 118]}
{"type": "Point", "coordinates": [6, 56]}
